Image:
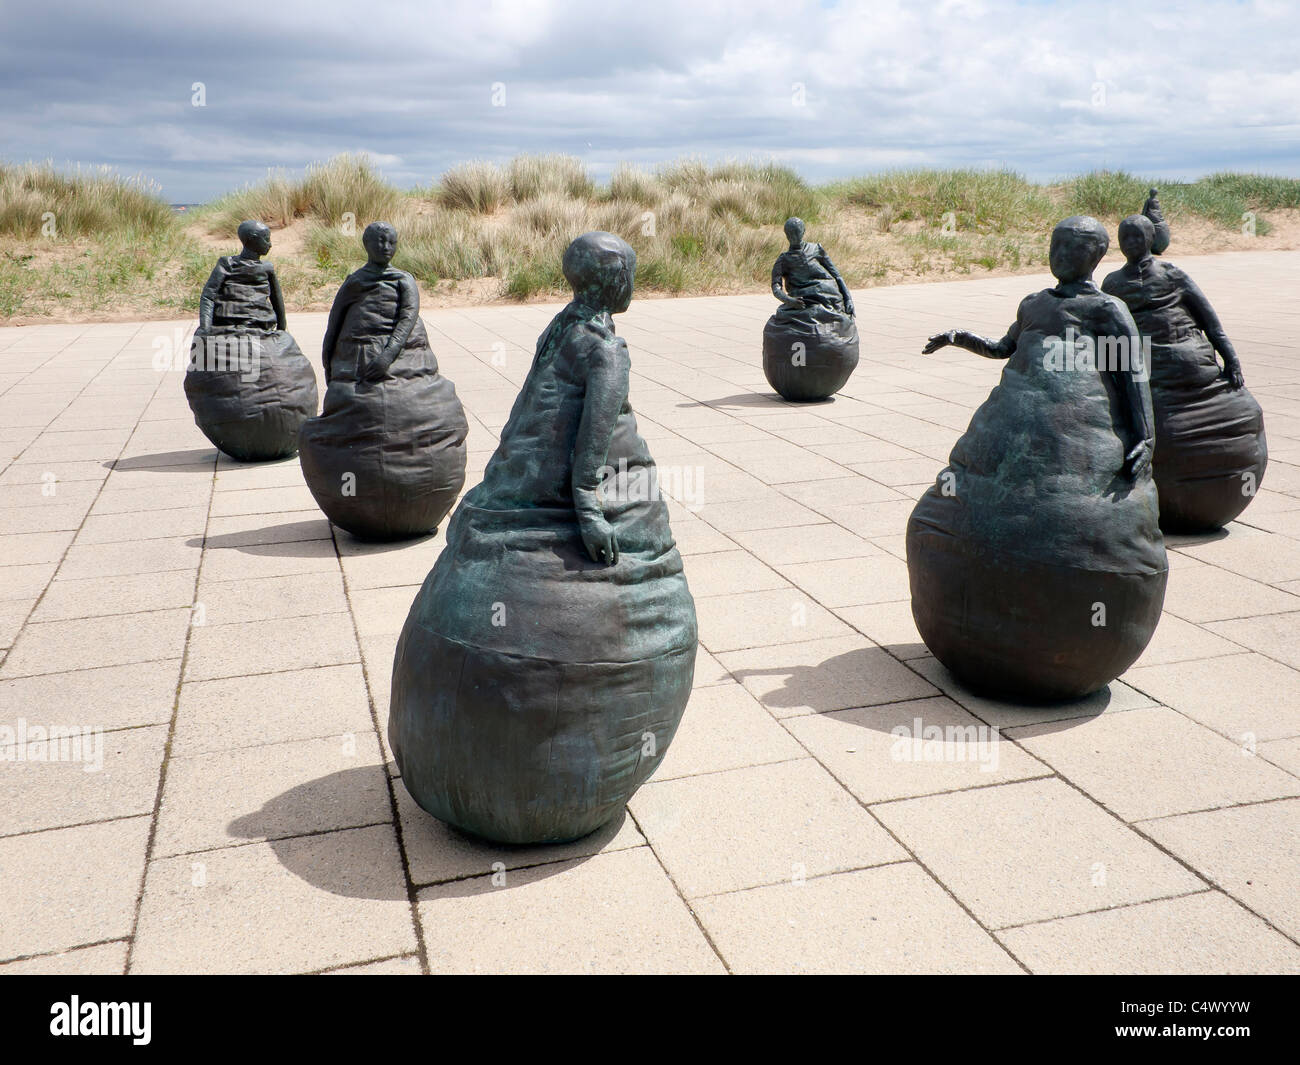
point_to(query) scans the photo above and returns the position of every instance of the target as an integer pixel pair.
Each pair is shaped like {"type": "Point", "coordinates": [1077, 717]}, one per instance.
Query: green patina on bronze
{"type": "Point", "coordinates": [547, 660]}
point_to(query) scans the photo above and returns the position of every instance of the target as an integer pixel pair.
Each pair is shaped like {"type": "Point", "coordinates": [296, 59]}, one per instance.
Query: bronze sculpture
{"type": "Point", "coordinates": [248, 383]}
{"type": "Point", "coordinates": [1036, 562]}
{"type": "Point", "coordinates": [385, 459]}
{"type": "Point", "coordinates": [1160, 235]}
{"type": "Point", "coordinates": [810, 345]}
{"type": "Point", "coordinates": [547, 660]}
{"type": "Point", "coordinates": [1210, 452]}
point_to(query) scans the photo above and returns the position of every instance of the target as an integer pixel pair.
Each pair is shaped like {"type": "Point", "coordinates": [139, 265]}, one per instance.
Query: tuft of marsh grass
{"type": "Point", "coordinates": [983, 201]}
{"type": "Point", "coordinates": [478, 186]}
{"type": "Point", "coordinates": [327, 193]}
{"type": "Point", "coordinates": [86, 203]}
{"type": "Point", "coordinates": [531, 176]}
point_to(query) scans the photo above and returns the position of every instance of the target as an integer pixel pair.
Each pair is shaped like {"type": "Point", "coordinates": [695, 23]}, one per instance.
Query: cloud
{"type": "Point", "coordinates": [1047, 87]}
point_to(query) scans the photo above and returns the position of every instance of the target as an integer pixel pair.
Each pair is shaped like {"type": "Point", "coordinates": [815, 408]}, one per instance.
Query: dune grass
{"type": "Point", "coordinates": [697, 227]}
{"type": "Point", "coordinates": [38, 200]}
{"type": "Point", "coordinates": [345, 189]}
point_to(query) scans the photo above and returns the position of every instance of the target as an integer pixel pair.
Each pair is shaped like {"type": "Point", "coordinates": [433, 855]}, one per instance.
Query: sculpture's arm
{"type": "Point", "coordinates": [1208, 322]}
{"type": "Point", "coordinates": [338, 309]}
{"type": "Point", "coordinates": [972, 342]}
{"type": "Point", "coordinates": [208, 297]}
{"type": "Point", "coordinates": [277, 297]}
{"type": "Point", "coordinates": [408, 311]}
{"type": "Point", "coordinates": [609, 369]}
{"type": "Point", "coordinates": [1157, 219]}
{"type": "Point", "coordinates": [839, 281]}
{"type": "Point", "coordinates": [778, 284]}
{"type": "Point", "coordinates": [1130, 384]}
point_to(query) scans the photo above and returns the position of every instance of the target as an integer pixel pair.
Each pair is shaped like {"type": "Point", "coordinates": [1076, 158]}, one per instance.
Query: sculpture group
{"type": "Point", "coordinates": [547, 660]}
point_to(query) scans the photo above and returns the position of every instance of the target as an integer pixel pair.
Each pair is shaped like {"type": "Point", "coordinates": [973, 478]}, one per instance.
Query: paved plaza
{"type": "Point", "coordinates": [233, 805]}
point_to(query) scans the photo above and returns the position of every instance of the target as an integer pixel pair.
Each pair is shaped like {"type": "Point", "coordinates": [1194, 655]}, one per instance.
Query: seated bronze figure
{"type": "Point", "coordinates": [810, 345]}
{"type": "Point", "coordinates": [1036, 562]}
{"type": "Point", "coordinates": [248, 383]}
{"type": "Point", "coordinates": [547, 660]}
{"type": "Point", "coordinates": [1210, 452]}
{"type": "Point", "coordinates": [386, 458]}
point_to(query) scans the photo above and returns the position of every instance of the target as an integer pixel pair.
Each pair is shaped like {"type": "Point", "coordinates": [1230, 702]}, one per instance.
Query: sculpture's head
{"type": "Point", "coordinates": [255, 236]}
{"type": "Point", "coordinates": [1136, 235]}
{"type": "Point", "coordinates": [794, 230]}
{"type": "Point", "coordinates": [380, 240]}
{"type": "Point", "coordinates": [601, 269]}
{"type": "Point", "coordinates": [1078, 244]}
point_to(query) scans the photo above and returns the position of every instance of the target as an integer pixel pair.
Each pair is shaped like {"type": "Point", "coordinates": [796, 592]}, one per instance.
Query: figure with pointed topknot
{"type": "Point", "coordinates": [1211, 451]}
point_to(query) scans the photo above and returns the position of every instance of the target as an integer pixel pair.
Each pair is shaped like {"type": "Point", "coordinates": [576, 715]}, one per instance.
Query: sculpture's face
{"type": "Point", "coordinates": [1077, 247]}
{"type": "Point", "coordinates": [262, 242]}
{"type": "Point", "coordinates": [1135, 236]}
{"type": "Point", "coordinates": [794, 230]}
{"type": "Point", "coordinates": [380, 242]}
{"type": "Point", "coordinates": [619, 293]}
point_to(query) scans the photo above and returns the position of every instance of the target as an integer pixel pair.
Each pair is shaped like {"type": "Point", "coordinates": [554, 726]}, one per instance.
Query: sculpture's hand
{"type": "Point", "coordinates": [1232, 371]}
{"type": "Point", "coordinates": [1137, 461]}
{"type": "Point", "coordinates": [939, 340]}
{"type": "Point", "coordinates": [377, 367]}
{"type": "Point", "coordinates": [848, 307]}
{"type": "Point", "coordinates": [599, 539]}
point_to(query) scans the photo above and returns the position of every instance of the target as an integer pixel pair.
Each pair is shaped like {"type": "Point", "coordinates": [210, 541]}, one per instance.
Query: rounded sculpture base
{"type": "Point", "coordinates": [1027, 631]}
{"type": "Point", "coordinates": [533, 690]}
{"type": "Point", "coordinates": [1210, 456]}
{"type": "Point", "coordinates": [381, 488]}
{"type": "Point", "coordinates": [250, 394]}
{"type": "Point", "coordinates": [520, 750]}
{"type": "Point", "coordinates": [386, 461]}
{"type": "Point", "coordinates": [808, 358]}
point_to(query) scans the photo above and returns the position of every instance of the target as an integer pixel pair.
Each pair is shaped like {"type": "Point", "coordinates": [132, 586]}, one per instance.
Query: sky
{"type": "Point", "coordinates": [202, 98]}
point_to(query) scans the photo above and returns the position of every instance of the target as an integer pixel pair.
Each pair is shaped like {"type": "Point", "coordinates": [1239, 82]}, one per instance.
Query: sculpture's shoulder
{"type": "Point", "coordinates": [1043, 299]}
{"type": "Point", "coordinates": [1174, 275]}
{"type": "Point", "coordinates": [1113, 308]}
{"type": "Point", "coordinates": [1115, 282]}
{"type": "Point", "coordinates": [594, 342]}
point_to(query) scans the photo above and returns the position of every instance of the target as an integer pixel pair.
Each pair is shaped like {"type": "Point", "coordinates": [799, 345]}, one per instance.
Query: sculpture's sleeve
{"type": "Point", "coordinates": [208, 297]}
{"type": "Point", "coordinates": [987, 347]}
{"type": "Point", "coordinates": [839, 281]}
{"type": "Point", "coordinates": [1128, 379]}
{"type": "Point", "coordinates": [1206, 319]}
{"type": "Point", "coordinates": [277, 297]}
{"type": "Point", "coordinates": [778, 280]}
{"type": "Point", "coordinates": [408, 310]}
{"type": "Point", "coordinates": [338, 309]}
{"type": "Point", "coordinates": [609, 370]}
{"type": "Point", "coordinates": [1157, 219]}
